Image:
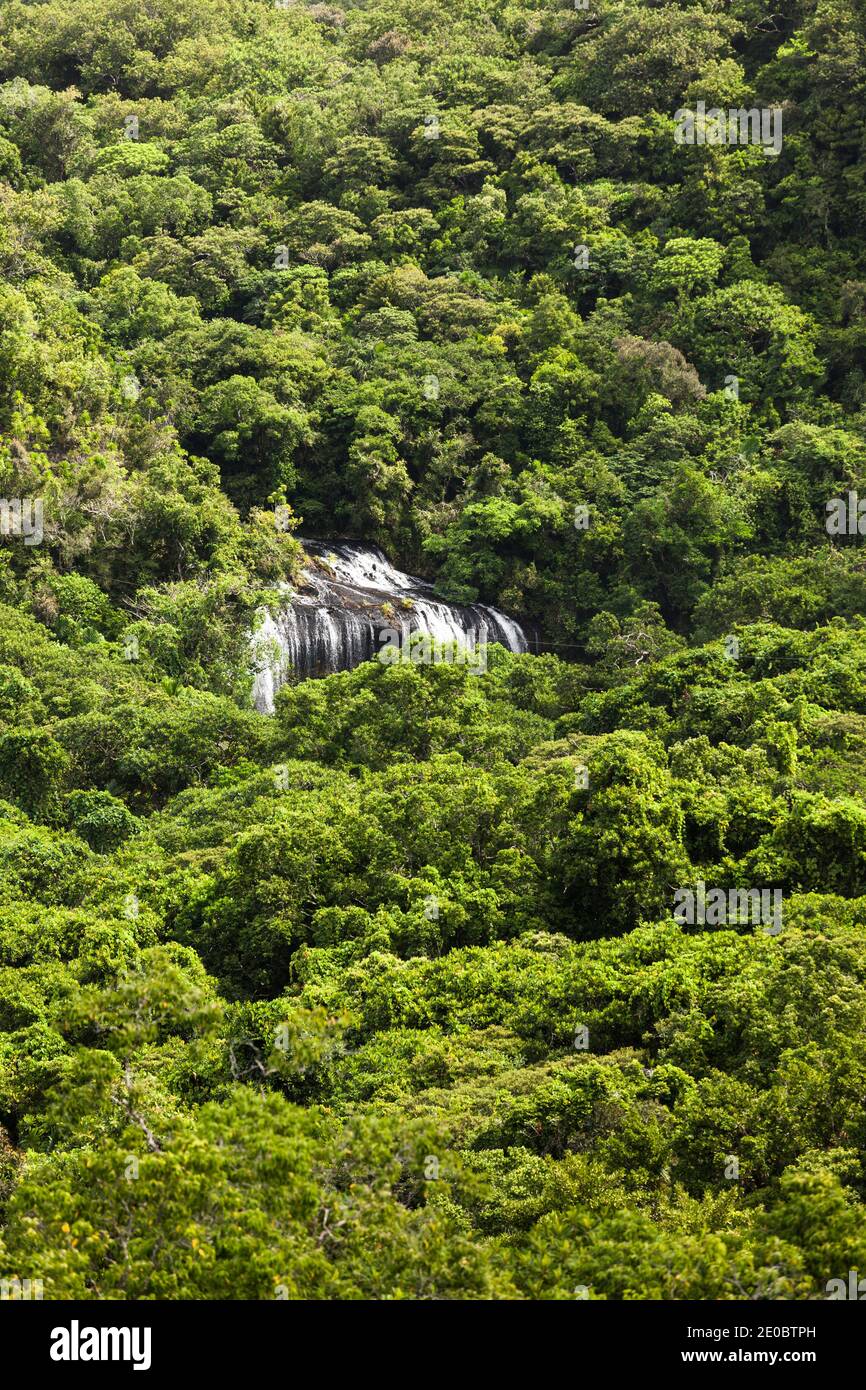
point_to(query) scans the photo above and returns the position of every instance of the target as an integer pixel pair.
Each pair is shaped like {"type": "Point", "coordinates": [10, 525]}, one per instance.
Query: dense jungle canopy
{"type": "Point", "coordinates": [382, 996]}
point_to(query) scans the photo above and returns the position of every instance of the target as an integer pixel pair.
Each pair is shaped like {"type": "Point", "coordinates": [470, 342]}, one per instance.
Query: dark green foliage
{"type": "Point", "coordinates": [383, 997]}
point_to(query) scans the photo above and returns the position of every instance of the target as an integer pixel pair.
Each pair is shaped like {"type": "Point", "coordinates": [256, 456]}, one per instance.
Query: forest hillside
{"type": "Point", "coordinates": [540, 981]}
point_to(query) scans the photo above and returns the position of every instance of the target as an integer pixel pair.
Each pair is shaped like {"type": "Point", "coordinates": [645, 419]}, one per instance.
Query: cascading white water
{"type": "Point", "coordinates": [350, 599]}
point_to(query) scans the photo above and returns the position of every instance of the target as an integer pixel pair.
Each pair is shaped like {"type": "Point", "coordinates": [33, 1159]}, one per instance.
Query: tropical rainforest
{"type": "Point", "coordinates": [382, 996]}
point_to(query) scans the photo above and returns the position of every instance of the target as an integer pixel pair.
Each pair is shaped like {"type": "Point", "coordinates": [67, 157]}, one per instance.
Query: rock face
{"type": "Point", "coordinates": [350, 605]}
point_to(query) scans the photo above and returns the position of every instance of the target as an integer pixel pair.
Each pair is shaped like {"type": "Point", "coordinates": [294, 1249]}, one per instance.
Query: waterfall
{"type": "Point", "coordinates": [350, 604]}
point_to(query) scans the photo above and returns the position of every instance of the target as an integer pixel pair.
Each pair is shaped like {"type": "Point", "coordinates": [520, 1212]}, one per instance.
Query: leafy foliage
{"type": "Point", "coordinates": [383, 997]}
